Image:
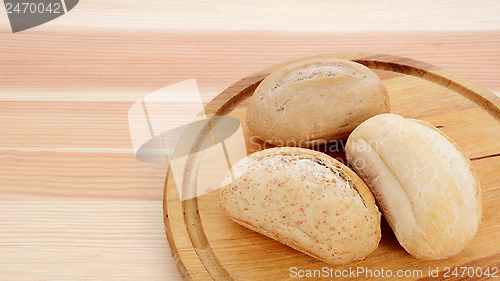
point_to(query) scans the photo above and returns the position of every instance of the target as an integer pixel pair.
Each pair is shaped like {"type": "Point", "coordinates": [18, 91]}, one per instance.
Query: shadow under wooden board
{"type": "Point", "coordinates": [208, 246]}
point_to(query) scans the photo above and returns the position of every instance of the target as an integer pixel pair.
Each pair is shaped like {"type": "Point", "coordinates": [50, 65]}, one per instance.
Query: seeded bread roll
{"type": "Point", "coordinates": [306, 200]}
{"type": "Point", "coordinates": [314, 102]}
{"type": "Point", "coordinates": [422, 182]}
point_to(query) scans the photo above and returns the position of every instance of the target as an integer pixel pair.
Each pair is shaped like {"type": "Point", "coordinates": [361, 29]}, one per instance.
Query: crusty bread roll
{"type": "Point", "coordinates": [314, 102]}
{"type": "Point", "coordinates": [422, 182]}
{"type": "Point", "coordinates": [306, 200]}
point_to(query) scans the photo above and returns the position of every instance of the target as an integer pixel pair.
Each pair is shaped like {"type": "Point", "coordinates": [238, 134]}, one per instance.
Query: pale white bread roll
{"type": "Point", "coordinates": [315, 101]}
{"type": "Point", "coordinates": [306, 200]}
{"type": "Point", "coordinates": [424, 185]}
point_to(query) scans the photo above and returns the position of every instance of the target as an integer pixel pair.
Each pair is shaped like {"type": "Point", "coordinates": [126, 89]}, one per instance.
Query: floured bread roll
{"type": "Point", "coordinates": [422, 182]}
{"type": "Point", "coordinates": [306, 200]}
{"type": "Point", "coordinates": [314, 102]}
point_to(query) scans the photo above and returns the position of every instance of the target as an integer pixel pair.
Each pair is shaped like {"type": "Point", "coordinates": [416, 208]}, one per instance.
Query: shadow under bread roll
{"type": "Point", "coordinates": [423, 183]}
{"type": "Point", "coordinates": [306, 200]}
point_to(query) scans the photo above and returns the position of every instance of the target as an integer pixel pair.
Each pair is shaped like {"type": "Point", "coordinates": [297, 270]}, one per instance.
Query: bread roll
{"type": "Point", "coordinates": [314, 102]}
{"type": "Point", "coordinates": [422, 182]}
{"type": "Point", "coordinates": [306, 200]}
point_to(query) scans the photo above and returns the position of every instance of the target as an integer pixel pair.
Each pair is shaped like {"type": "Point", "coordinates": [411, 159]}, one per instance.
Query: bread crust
{"type": "Point", "coordinates": [326, 212]}
{"type": "Point", "coordinates": [315, 101]}
{"type": "Point", "coordinates": [422, 182]}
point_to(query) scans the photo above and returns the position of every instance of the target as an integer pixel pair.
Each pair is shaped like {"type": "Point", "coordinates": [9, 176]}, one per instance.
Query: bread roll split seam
{"type": "Point", "coordinates": [318, 206]}
{"type": "Point", "coordinates": [413, 168]}
{"type": "Point", "coordinates": [314, 102]}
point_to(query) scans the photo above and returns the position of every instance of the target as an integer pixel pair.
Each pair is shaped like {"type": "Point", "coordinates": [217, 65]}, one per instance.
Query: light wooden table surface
{"type": "Point", "coordinates": [75, 204]}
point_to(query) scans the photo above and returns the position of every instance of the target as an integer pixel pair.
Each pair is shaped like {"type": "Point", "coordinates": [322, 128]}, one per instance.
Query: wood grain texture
{"type": "Point", "coordinates": [83, 240]}
{"type": "Point", "coordinates": [65, 156]}
{"type": "Point", "coordinates": [315, 15]}
{"type": "Point", "coordinates": [103, 69]}
{"type": "Point", "coordinates": [217, 250]}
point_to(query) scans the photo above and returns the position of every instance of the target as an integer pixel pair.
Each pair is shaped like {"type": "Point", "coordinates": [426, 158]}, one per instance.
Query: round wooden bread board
{"type": "Point", "coordinates": [206, 245]}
